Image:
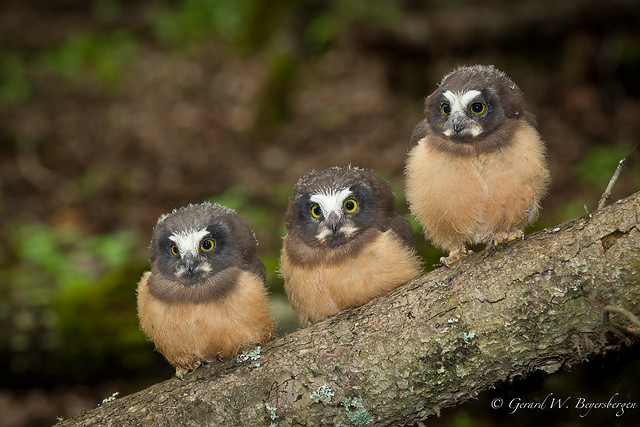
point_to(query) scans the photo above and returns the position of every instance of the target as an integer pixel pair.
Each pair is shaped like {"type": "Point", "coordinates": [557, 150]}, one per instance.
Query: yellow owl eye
{"type": "Point", "coordinates": [316, 212]}
{"type": "Point", "coordinates": [207, 245]}
{"type": "Point", "coordinates": [446, 109]}
{"type": "Point", "coordinates": [477, 108]}
{"type": "Point", "coordinates": [174, 250]}
{"type": "Point", "coordinates": [350, 205]}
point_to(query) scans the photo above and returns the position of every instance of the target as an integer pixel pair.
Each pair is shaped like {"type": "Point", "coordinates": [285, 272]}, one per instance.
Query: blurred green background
{"type": "Point", "coordinates": [114, 112]}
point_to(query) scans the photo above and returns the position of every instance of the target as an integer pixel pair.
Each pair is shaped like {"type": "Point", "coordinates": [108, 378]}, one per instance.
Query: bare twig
{"type": "Point", "coordinates": [607, 193]}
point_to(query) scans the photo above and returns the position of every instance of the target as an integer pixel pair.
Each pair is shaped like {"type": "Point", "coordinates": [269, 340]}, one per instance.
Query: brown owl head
{"type": "Point", "coordinates": [475, 109]}
{"type": "Point", "coordinates": [333, 207]}
{"type": "Point", "coordinates": [197, 251]}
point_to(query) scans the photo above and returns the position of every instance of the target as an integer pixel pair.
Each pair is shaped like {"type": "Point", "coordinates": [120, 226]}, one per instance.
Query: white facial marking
{"type": "Point", "coordinates": [324, 233]}
{"type": "Point", "coordinates": [473, 130]}
{"type": "Point", "coordinates": [348, 230]}
{"type": "Point", "coordinates": [459, 102]}
{"type": "Point", "coordinates": [181, 271]}
{"type": "Point", "coordinates": [189, 241]}
{"type": "Point", "coordinates": [205, 267]}
{"type": "Point", "coordinates": [331, 202]}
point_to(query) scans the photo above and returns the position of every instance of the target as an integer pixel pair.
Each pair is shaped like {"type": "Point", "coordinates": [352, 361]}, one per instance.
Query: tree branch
{"type": "Point", "coordinates": [536, 304]}
{"type": "Point", "coordinates": [607, 192]}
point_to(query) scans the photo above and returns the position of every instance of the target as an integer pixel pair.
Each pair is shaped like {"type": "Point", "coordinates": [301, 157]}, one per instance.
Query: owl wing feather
{"type": "Point", "coordinates": [420, 131]}
{"type": "Point", "coordinates": [402, 228]}
{"type": "Point", "coordinates": [531, 119]}
{"type": "Point", "coordinates": [256, 267]}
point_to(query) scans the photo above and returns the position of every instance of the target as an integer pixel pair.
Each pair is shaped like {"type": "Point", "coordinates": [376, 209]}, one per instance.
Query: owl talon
{"type": "Point", "coordinates": [505, 238]}
{"type": "Point", "coordinates": [515, 235]}
{"type": "Point", "coordinates": [454, 256]}
{"type": "Point", "coordinates": [181, 372]}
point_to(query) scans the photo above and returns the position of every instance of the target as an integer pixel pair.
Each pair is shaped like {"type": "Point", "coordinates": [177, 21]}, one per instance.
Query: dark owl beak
{"type": "Point", "coordinates": [459, 122]}
{"type": "Point", "coordinates": [191, 264]}
{"type": "Point", "coordinates": [334, 222]}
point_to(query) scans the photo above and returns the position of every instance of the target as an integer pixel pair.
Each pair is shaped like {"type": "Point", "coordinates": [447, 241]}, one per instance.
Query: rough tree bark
{"type": "Point", "coordinates": [537, 304]}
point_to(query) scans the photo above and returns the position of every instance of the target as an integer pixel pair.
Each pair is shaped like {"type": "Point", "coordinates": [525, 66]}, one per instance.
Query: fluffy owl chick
{"type": "Point", "coordinates": [345, 244]}
{"type": "Point", "coordinates": [205, 295]}
{"type": "Point", "coordinates": [476, 170]}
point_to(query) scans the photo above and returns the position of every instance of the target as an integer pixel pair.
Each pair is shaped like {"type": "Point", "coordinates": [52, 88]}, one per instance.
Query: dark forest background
{"type": "Point", "coordinates": [113, 112]}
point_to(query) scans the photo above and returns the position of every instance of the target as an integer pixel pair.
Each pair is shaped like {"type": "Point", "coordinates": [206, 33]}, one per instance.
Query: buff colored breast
{"type": "Point", "coordinates": [186, 333]}
{"type": "Point", "coordinates": [319, 291]}
{"type": "Point", "coordinates": [461, 199]}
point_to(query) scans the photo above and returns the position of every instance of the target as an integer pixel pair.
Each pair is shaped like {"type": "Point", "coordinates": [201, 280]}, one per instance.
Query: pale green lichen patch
{"type": "Point", "coordinates": [618, 273]}
{"type": "Point", "coordinates": [322, 394]}
{"type": "Point", "coordinates": [467, 337]}
{"type": "Point", "coordinates": [253, 354]}
{"type": "Point", "coordinates": [109, 399]}
{"type": "Point", "coordinates": [455, 319]}
{"type": "Point", "coordinates": [355, 410]}
{"type": "Point", "coordinates": [271, 410]}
